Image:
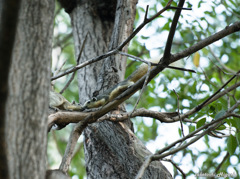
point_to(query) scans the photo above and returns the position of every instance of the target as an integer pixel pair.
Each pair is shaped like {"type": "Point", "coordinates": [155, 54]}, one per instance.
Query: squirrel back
{"type": "Point", "coordinates": [141, 70]}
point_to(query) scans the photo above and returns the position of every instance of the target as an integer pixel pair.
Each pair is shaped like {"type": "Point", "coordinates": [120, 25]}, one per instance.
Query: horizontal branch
{"type": "Point", "coordinates": [142, 112]}
{"type": "Point", "coordinates": [65, 117]}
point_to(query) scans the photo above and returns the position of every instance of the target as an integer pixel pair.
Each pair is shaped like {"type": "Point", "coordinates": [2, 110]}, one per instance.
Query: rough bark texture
{"type": "Point", "coordinates": [29, 82]}
{"type": "Point", "coordinates": [87, 24]}
{"type": "Point", "coordinates": [111, 149]}
{"type": "Point", "coordinates": [8, 23]}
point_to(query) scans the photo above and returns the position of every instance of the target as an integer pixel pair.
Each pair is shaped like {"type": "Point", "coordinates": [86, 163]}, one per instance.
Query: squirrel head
{"type": "Point", "coordinates": [94, 103]}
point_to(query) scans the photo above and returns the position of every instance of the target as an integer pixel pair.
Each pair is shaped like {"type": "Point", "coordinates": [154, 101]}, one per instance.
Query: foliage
{"type": "Point", "coordinates": [216, 65]}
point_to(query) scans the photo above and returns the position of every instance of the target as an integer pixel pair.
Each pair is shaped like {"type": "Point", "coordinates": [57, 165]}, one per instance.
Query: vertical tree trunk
{"type": "Point", "coordinates": [29, 82]}
{"type": "Point", "coordinates": [87, 24]}
{"type": "Point", "coordinates": [111, 149]}
{"type": "Point", "coordinates": [8, 24]}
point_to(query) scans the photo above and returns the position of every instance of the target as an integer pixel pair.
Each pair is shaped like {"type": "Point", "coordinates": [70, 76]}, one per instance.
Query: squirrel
{"type": "Point", "coordinates": [58, 102]}
{"type": "Point", "coordinates": [119, 88]}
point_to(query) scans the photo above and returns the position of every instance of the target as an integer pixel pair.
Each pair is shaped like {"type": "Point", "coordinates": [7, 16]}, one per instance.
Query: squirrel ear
{"type": "Point", "coordinates": [87, 102]}
{"type": "Point", "coordinates": [94, 99]}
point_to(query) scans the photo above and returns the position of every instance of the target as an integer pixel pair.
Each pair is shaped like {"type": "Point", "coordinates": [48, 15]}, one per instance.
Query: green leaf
{"type": "Point", "coordinates": [237, 123]}
{"type": "Point", "coordinates": [144, 37]}
{"type": "Point", "coordinates": [191, 128]}
{"type": "Point", "coordinates": [201, 122]}
{"type": "Point", "coordinates": [220, 114]}
{"type": "Point", "coordinates": [238, 138]}
{"type": "Point", "coordinates": [231, 144]}
{"type": "Point", "coordinates": [222, 127]}
{"type": "Point", "coordinates": [211, 109]}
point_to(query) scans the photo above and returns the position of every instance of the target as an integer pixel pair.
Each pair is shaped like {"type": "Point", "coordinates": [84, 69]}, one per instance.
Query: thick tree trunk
{"type": "Point", "coordinates": [29, 82]}
{"type": "Point", "coordinates": [111, 149]}
{"type": "Point", "coordinates": [88, 25]}
{"type": "Point", "coordinates": [8, 24]}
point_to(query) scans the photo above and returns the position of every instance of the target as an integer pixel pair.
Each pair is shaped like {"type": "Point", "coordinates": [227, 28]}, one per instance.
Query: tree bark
{"type": "Point", "coordinates": [8, 23]}
{"type": "Point", "coordinates": [29, 84]}
{"type": "Point", "coordinates": [111, 149]}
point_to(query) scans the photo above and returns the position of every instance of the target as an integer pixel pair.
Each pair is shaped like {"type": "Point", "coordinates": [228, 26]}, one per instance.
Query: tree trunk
{"type": "Point", "coordinates": [29, 83]}
{"type": "Point", "coordinates": [88, 25]}
{"type": "Point", "coordinates": [111, 149]}
{"type": "Point", "coordinates": [8, 24]}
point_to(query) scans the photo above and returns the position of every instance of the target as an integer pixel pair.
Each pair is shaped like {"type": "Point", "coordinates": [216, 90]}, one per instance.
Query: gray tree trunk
{"type": "Point", "coordinates": [8, 24]}
{"type": "Point", "coordinates": [29, 83]}
{"type": "Point", "coordinates": [111, 149]}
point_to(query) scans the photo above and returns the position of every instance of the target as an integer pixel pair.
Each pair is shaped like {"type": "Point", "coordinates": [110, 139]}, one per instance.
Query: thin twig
{"type": "Point", "coordinates": [222, 162]}
{"type": "Point", "coordinates": [135, 57]}
{"type": "Point", "coordinates": [60, 68]}
{"type": "Point", "coordinates": [180, 119]}
{"type": "Point", "coordinates": [220, 62]}
{"type": "Point", "coordinates": [182, 8]}
{"type": "Point", "coordinates": [176, 166]}
{"type": "Point", "coordinates": [155, 64]}
{"type": "Point", "coordinates": [199, 107]}
{"type": "Point", "coordinates": [78, 60]}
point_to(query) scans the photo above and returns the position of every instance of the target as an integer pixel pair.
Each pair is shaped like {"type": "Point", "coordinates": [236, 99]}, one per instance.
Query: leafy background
{"type": "Point", "coordinates": [214, 66]}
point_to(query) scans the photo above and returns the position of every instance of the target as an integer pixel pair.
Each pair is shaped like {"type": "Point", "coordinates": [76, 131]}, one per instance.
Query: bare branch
{"type": "Point", "coordinates": [167, 51]}
{"type": "Point", "coordinates": [176, 166]}
{"type": "Point", "coordinates": [78, 60]}
{"type": "Point", "coordinates": [180, 119]}
{"type": "Point", "coordinates": [65, 117]}
{"type": "Point", "coordinates": [69, 152]}
{"type": "Point", "coordinates": [222, 162]}
{"type": "Point", "coordinates": [93, 60]}
{"type": "Point", "coordinates": [236, 115]}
